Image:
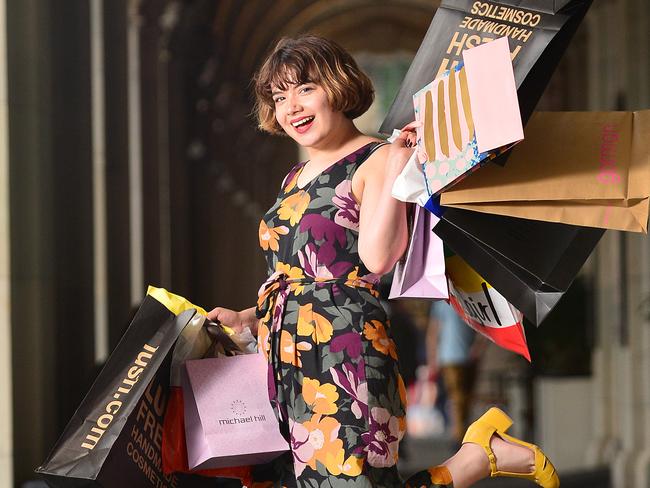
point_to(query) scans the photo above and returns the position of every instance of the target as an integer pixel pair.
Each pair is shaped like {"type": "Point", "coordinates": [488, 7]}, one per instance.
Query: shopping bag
{"type": "Point", "coordinates": [465, 114]}
{"type": "Point", "coordinates": [538, 32]}
{"type": "Point", "coordinates": [483, 308]}
{"type": "Point", "coordinates": [581, 168]}
{"type": "Point", "coordinates": [531, 263]}
{"type": "Point", "coordinates": [422, 273]}
{"type": "Point", "coordinates": [197, 340]}
{"type": "Point", "coordinates": [114, 437]}
{"type": "Point", "coordinates": [229, 420]}
{"type": "Point", "coordinates": [410, 185]}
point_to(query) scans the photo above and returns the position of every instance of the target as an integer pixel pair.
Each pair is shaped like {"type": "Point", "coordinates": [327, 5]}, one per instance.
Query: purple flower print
{"type": "Point", "coordinates": [350, 342]}
{"type": "Point", "coordinates": [347, 214]}
{"type": "Point", "coordinates": [353, 380]}
{"type": "Point", "coordinates": [371, 278]}
{"type": "Point", "coordinates": [382, 440]}
{"type": "Point", "coordinates": [323, 228]}
{"type": "Point", "coordinates": [319, 262]}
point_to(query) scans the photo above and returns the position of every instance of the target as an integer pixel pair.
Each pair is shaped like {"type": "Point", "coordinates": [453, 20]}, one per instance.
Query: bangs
{"type": "Point", "coordinates": [310, 59]}
{"type": "Point", "coordinates": [286, 69]}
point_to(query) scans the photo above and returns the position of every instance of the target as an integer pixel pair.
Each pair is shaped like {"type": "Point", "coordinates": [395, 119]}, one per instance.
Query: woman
{"type": "Point", "coordinates": [333, 231]}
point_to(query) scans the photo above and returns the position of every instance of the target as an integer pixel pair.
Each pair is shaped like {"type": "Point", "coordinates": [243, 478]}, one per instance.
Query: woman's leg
{"type": "Point", "coordinates": [470, 463]}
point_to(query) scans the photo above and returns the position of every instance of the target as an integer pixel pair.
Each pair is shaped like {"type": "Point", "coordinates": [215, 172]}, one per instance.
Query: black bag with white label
{"type": "Point", "coordinates": [531, 263]}
{"type": "Point", "coordinates": [538, 32]}
{"type": "Point", "coordinates": [114, 438]}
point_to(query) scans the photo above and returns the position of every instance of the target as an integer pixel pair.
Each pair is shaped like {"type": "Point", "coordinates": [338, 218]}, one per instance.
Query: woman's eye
{"type": "Point", "coordinates": [278, 99]}
{"type": "Point", "coordinates": [306, 89]}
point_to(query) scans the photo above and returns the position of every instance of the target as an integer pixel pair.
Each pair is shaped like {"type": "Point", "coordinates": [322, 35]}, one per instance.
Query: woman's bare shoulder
{"type": "Point", "coordinates": [377, 159]}
{"type": "Point", "coordinates": [371, 170]}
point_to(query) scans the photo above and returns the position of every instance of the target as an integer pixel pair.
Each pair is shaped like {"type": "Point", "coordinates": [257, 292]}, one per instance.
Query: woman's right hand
{"type": "Point", "coordinates": [237, 321]}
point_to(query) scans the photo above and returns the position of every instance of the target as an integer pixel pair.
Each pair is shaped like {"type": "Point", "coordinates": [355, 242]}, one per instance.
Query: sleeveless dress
{"type": "Point", "coordinates": [333, 375]}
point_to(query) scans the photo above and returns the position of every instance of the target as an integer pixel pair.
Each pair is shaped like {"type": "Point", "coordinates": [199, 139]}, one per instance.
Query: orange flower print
{"type": "Point", "coordinates": [320, 398]}
{"type": "Point", "coordinates": [375, 331]}
{"type": "Point", "coordinates": [291, 182]}
{"type": "Point", "coordinates": [367, 281]}
{"type": "Point", "coordinates": [293, 273]}
{"type": "Point", "coordinates": [313, 324]}
{"type": "Point", "coordinates": [290, 351]}
{"type": "Point", "coordinates": [353, 275]}
{"type": "Point", "coordinates": [337, 464]}
{"type": "Point", "coordinates": [263, 333]}
{"type": "Point", "coordinates": [292, 207]}
{"type": "Point", "coordinates": [317, 441]}
{"type": "Point", "coordinates": [269, 236]}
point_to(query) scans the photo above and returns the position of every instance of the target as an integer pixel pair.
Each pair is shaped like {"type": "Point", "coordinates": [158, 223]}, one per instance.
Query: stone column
{"type": "Point", "coordinates": [638, 90]}
{"type": "Point", "coordinates": [605, 439]}
{"type": "Point", "coordinates": [6, 427]}
{"type": "Point", "coordinates": [31, 233]}
{"type": "Point", "coordinates": [601, 88]}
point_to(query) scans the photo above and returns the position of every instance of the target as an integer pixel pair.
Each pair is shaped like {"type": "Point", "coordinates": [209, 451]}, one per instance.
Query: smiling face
{"type": "Point", "coordinates": [305, 114]}
{"type": "Point", "coordinates": [309, 74]}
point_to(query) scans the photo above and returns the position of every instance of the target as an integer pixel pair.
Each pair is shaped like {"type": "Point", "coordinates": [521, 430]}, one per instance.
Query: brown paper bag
{"type": "Point", "coordinates": [580, 168]}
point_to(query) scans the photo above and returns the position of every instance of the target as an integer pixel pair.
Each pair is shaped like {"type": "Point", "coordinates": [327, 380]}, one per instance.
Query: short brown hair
{"type": "Point", "coordinates": [311, 59]}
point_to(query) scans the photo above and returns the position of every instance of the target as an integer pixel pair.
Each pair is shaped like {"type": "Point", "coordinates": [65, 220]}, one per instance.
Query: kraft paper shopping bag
{"type": "Point", "coordinates": [580, 168]}
{"type": "Point", "coordinates": [229, 420]}
{"type": "Point", "coordinates": [422, 273]}
{"type": "Point", "coordinates": [538, 32]}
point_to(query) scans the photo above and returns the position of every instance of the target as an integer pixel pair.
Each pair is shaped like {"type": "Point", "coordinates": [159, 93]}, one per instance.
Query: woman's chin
{"type": "Point", "coordinates": [306, 139]}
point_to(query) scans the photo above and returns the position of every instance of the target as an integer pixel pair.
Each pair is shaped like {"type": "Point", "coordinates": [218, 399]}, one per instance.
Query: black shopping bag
{"type": "Point", "coordinates": [531, 263]}
{"type": "Point", "coordinates": [538, 32]}
{"type": "Point", "coordinates": [114, 438]}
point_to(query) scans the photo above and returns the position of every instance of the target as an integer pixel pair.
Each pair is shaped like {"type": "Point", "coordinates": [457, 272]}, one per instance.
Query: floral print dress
{"type": "Point", "coordinates": [333, 375]}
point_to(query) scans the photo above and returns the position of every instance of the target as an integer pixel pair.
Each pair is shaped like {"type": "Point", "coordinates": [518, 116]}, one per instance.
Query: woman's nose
{"type": "Point", "coordinates": [294, 106]}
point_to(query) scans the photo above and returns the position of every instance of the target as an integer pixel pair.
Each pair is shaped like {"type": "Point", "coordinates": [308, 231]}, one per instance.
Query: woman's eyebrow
{"type": "Point", "coordinates": [276, 92]}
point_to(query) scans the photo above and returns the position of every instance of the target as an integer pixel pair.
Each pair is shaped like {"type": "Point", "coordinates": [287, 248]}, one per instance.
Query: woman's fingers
{"type": "Point", "coordinates": [214, 314]}
{"type": "Point", "coordinates": [407, 138]}
{"type": "Point", "coordinates": [411, 126]}
{"type": "Point", "coordinates": [225, 316]}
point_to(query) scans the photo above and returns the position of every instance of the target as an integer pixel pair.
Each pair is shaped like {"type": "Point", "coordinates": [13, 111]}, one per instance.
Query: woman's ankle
{"type": "Point", "coordinates": [511, 457]}
{"type": "Point", "coordinates": [469, 465]}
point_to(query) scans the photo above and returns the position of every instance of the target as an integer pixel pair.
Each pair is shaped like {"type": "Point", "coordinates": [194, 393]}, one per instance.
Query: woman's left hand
{"type": "Point", "coordinates": [402, 147]}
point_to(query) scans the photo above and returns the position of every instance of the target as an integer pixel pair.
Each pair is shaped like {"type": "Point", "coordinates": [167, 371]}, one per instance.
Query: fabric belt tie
{"type": "Point", "coordinates": [273, 293]}
{"type": "Point", "coordinates": [272, 297]}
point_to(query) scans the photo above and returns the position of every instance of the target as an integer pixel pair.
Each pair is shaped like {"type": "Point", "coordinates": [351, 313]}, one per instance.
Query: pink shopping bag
{"type": "Point", "coordinates": [422, 273]}
{"type": "Point", "coordinates": [469, 114]}
{"type": "Point", "coordinates": [229, 420]}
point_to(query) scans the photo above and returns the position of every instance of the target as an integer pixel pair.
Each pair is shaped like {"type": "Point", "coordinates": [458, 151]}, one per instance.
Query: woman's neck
{"type": "Point", "coordinates": [338, 145]}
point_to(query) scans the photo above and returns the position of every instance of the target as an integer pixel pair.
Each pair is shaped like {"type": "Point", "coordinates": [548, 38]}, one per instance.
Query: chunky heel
{"type": "Point", "coordinates": [496, 422]}
{"type": "Point", "coordinates": [497, 419]}
{"type": "Point", "coordinates": [480, 432]}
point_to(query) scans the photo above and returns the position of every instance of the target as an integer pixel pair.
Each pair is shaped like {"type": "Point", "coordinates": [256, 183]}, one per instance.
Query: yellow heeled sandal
{"type": "Point", "coordinates": [495, 421]}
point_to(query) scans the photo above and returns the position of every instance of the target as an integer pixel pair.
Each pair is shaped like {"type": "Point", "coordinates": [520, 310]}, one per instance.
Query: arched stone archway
{"type": "Point", "coordinates": [224, 171]}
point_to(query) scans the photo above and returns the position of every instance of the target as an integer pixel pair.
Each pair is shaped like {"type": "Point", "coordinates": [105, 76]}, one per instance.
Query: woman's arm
{"type": "Point", "coordinates": [235, 320]}
{"type": "Point", "coordinates": [383, 230]}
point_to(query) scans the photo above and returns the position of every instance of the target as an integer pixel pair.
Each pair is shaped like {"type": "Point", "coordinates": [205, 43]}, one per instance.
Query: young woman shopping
{"type": "Point", "coordinates": [332, 232]}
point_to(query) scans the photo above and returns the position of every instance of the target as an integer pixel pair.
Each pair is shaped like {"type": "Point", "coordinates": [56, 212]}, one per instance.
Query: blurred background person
{"type": "Point", "coordinates": [453, 353]}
